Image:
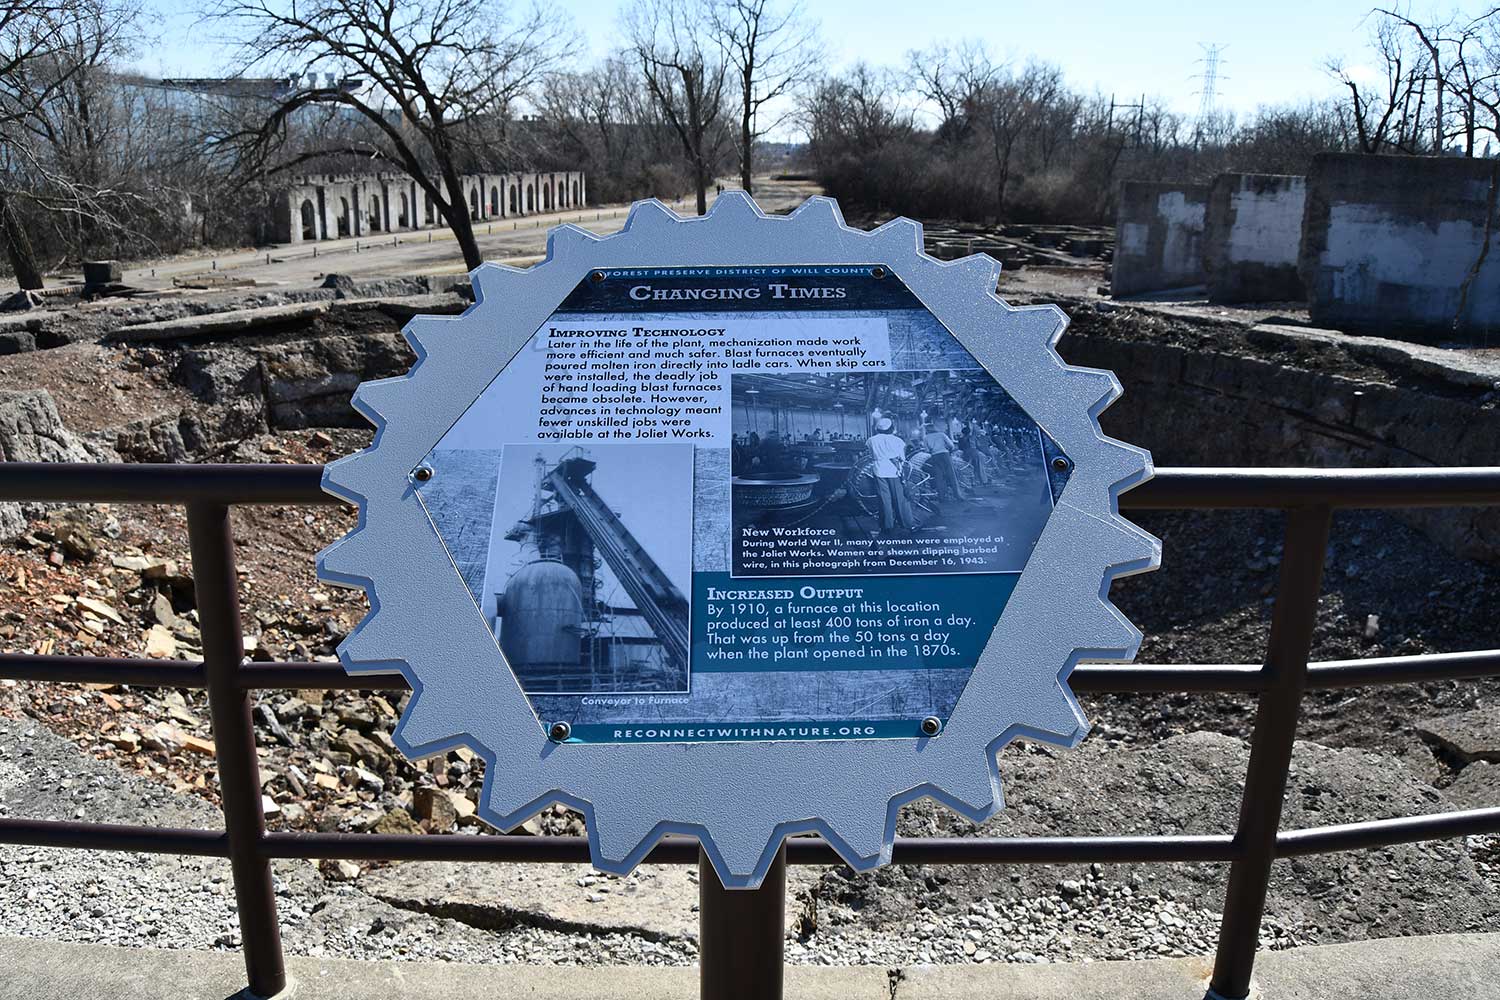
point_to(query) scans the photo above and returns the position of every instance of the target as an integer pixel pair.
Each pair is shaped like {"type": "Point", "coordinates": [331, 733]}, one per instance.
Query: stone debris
{"type": "Point", "coordinates": [1468, 736]}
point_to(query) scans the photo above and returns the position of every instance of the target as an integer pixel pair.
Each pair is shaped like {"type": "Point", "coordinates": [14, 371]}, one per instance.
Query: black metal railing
{"type": "Point", "coordinates": [740, 941]}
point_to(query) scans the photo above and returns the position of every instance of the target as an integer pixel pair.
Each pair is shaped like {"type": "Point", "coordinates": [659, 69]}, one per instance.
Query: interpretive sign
{"type": "Point", "coordinates": [738, 526]}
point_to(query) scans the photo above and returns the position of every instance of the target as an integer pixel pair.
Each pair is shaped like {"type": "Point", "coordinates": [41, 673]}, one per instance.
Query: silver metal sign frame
{"type": "Point", "coordinates": [739, 799]}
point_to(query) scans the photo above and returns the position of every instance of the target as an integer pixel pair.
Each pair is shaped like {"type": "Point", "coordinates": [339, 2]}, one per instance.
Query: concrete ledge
{"type": "Point", "coordinates": [1418, 968]}
{"type": "Point", "coordinates": [46, 970]}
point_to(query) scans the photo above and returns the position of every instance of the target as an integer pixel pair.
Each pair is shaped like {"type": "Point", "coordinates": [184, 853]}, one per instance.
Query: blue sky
{"type": "Point", "coordinates": [1276, 48]}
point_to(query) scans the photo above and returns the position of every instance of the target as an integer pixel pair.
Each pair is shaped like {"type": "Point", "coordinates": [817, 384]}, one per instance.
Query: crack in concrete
{"type": "Point", "coordinates": [497, 918]}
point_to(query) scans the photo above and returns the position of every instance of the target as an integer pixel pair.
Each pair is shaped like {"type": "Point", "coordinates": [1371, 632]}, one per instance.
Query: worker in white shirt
{"type": "Point", "coordinates": [889, 451]}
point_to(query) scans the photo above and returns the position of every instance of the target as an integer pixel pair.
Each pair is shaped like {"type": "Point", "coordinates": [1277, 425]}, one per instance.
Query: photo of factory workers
{"type": "Point", "coordinates": [887, 462]}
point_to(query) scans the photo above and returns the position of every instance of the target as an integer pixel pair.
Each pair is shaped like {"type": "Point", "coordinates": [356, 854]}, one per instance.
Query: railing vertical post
{"type": "Point", "coordinates": [741, 935]}
{"type": "Point", "coordinates": [1292, 622]}
{"type": "Point", "coordinates": [217, 591]}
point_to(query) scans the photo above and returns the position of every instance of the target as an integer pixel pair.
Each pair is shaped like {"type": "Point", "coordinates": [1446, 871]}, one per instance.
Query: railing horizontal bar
{"type": "Point", "coordinates": [133, 482]}
{"type": "Point", "coordinates": [416, 847]}
{"type": "Point", "coordinates": [800, 850]}
{"type": "Point", "coordinates": [1140, 678]}
{"type": "Point", "coordinates": [1404, 669]}
{"type": "Point", "coordinates": [1172, 488]}
{"type": "Point", "coordinates": [1207, 488]}
{"type": "Point", "coordinates": [332, 676]}
{"type": "Point", "coordinates": [1386, 832]}
{"type": "Point", "coordinates": [113, 837]}
{"type": "Point", "coordinates": [102, 670]}
{"type": "Point", "coordinates": [1054, 850]}
{"type": "Point", "coordinates": [1093, 678]}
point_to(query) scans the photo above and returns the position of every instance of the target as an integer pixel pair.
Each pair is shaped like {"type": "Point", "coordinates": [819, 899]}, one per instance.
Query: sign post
{"type": "Point", "coordinates": [738, 527]}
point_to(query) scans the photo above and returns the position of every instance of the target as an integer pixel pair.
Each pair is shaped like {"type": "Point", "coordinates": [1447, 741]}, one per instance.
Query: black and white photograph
{"type": "Point", "coordinates": [912, 472]}
{"type": "Point", "coordinates": [590, 566]}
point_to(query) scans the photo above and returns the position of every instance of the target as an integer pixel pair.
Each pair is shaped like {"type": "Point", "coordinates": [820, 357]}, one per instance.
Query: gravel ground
{"type": "Point", "coordinates": [897, 916]}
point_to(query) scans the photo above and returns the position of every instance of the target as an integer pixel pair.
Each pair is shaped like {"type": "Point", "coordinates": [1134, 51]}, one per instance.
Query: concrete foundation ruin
{"type": "Point", "coordinates": [1252, 236]}
{"type": "Point", "coordinates": [331, 206]}
{"type": "Point", "coordinates": [1401, 245]}
{"type": "Point", "coordinates": [1158, 237]}
{"type": "Point", "coordinates": [1403, 242]}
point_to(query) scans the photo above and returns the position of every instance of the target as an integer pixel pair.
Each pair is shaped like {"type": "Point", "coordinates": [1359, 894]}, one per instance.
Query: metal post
{"type": "Point", "coordinates": [217, 591]}
{"type": "Point", "coordinates": [741, 935]}
{"type": "Point", "coordinates": [1292, 623]}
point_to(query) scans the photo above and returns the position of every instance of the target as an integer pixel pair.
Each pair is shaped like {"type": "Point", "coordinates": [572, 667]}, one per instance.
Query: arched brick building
{"type": "Point", "coordinates": [332, 206]}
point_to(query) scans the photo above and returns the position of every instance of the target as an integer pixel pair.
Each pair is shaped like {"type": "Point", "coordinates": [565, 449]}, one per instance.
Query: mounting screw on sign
{"type": "Point", "coordinates": [1060, 464]}
{"type": "Point", "coordinates": [932, 725]}
{"type": "Point", "coordinates": [559, 732]}
{"type": "Point", "coordinates": [422, 473]}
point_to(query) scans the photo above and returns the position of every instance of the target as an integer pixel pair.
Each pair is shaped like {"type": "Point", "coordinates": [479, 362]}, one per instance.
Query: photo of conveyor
{"type": "Point", "coordinates": [556, 630]}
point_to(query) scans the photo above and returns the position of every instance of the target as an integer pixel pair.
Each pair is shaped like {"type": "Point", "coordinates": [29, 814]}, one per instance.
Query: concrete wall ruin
{"type": "Point", "coordinates": [1361, 402]}
{"type": "Point", "coordinates": [1396, 242]}
{"type": "Point", "coordinates": [1252, 236]}
{"type": "Point", "coordinates": [330, 206]}
{"type": "Point", "coordinates": [1158, 237]}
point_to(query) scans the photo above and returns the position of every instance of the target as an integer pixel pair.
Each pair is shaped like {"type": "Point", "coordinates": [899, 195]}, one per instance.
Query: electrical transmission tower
{"type": "Point", "coordinates": [1209, 88]}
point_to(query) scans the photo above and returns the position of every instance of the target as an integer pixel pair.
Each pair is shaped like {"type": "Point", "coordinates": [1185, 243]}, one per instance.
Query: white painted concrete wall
{"type": "Point", "coordinates": [1267, 225]}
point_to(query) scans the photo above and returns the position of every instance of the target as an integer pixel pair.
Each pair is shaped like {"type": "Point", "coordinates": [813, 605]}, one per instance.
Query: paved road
{"type": "Point", "coordinates": [409, 254]}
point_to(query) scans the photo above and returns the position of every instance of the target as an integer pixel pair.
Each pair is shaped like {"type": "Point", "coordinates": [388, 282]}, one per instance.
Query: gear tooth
{"type": "Point", "coordinates": [1102, 387]}
{"type": "Point", "coordinates": [374, 398]}
{"type": "Point", "coordinates": [741, 860]}
{"type": "Point", "coordinates": [861, 839]}
{"type": "Point", "coordinates": [489, 279]}
{"type": "Point", "coordinates": [355, 478]}
{"type": "Point", "coordinates": [734, 206]}
{"type": "Point", "coordinates": [980, 268]}
{"type": "Point", "coordinates": [342, 562]}
{"type": "Point", "coordinates": [650, 216]}
{"type": "Point", "coordinates": [900, 234]}
{"type": "Point", "coordinates": [421, 331]}
{"type": "Point", "coordinates": [422, 726]}
{"type": "Point", "coordinates": [619, 836]}
{"type": "Point", "coordinates": [1041, 325]}
{"type": "Point", "coordinates": [817, 212]}
{"type": "Point", "coordinates": [371, 640]}
{"type": "Point", "coordinates": [343, 477]}
{"type": "Point", "coordinates": [1058, 719]}
{"type": "Point", "coordinates": [973, 791]}
{"type": "Point", "coordinates": [1143, 555]}
{"type": "Point", "coordinates": [508, 799]}
{"type": "Point", "coordinates": [567, 238]}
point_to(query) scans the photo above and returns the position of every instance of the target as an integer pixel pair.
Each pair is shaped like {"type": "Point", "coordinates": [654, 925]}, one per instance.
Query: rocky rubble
{"type": "Point", "coordinates": [31, 430]}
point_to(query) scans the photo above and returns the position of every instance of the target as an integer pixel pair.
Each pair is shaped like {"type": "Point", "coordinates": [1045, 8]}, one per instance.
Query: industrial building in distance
{"type": "Point", "coordinates": [331, 206]}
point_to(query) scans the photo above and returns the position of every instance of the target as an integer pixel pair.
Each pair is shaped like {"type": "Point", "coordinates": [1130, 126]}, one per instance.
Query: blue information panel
{"type": "Point", "coordinates": [750, 503]}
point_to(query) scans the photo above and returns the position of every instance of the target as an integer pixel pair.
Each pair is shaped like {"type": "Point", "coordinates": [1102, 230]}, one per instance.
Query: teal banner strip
{"type": "Point", "coordinates": [739, 732]}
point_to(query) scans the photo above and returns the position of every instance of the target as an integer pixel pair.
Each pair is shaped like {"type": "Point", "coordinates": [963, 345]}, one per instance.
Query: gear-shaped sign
{"type": "Point", "coordinates": [738, 526]}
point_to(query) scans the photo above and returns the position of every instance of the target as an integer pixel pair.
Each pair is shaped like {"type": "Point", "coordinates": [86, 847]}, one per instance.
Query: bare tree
{"type": "Point", "coordinates": [1387, 117]}
{"type": "Point", "coordinates": [441, 80]}
{"type": "Point", "coordinates": [602, 120]}
{"type": "Point", "coordinates": [771, 53]}
{"type": "Point", "coordinates": [686, 78]}
{"type": "Point", "coordinates": [1006, 108]}
{"type": "Point", "coordinates": [1434, 40]}
{"type": "Point", "coordinates": [56, 124]}
{"type": "Point", "coordinates": [951, 80]}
